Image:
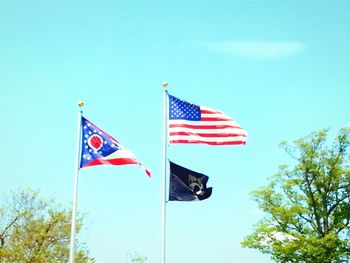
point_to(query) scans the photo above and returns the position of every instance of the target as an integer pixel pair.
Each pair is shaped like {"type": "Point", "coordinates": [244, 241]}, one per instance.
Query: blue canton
{"type": "Point", "coordinates": [95, 143]}
{"type": "Point", "coordinates": [182, 110]}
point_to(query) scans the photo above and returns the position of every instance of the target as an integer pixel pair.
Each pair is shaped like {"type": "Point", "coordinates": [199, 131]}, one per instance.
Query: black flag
{"type": "Point", "coordinates": [187, 185]}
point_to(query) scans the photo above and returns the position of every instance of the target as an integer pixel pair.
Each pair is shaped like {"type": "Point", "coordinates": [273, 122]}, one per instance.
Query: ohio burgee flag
{"type": "Point", "coordinates": [99, 148]}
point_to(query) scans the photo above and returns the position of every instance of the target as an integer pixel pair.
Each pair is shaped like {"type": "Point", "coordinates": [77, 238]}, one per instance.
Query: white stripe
{"type": "Point", "coordinates": [121, 153]}
{"type": "Point", "coordinates": [209, 131]}
{"type": "Point", "coordinates": [201, 123]}
{"type": "Point", "coordinates": [209, 139]}
{"type": "Point", "coordinates": [210, 109]}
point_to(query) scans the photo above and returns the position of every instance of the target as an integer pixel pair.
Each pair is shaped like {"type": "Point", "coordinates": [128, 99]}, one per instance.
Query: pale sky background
{"type": "Point", "coordinates": [281, 69]}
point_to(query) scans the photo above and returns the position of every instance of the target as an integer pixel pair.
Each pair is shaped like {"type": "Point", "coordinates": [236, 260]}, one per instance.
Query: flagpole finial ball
{"type": "Point", "coordinates": [80, 103]}
{"type": "Point", "coordinates": [165, 84]}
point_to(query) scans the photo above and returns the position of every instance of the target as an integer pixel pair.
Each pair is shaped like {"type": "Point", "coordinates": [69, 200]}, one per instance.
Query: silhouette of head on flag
{"type": "Point", "coordinates": [187, 185]}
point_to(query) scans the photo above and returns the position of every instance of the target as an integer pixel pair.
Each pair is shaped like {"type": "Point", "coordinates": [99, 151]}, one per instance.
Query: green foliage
{"type": "Point", "coordinates": [137, 258]}
{"type": "Point", "coordinates": [33, 230]}
{"type": "Point", "coordinates": [307, 206]}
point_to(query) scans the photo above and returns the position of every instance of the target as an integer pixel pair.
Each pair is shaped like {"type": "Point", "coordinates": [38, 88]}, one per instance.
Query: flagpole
{"type": "Point", "coordinates": [163, 248]}
{"type": "Point", "coordinates": [75, 190]}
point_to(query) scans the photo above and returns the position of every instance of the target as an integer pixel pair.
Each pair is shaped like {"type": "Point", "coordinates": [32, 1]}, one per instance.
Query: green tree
{"type": "Point", "coordinates": [34, 230]}
{"type": "Point", "coordinates": [306, 206]}
{"type": "Point", "coordinates": [136, 257]}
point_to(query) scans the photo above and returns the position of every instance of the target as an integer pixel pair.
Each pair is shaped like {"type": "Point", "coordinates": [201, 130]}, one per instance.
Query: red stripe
{"type": "Point", "coordinates": [203, 126]}
{"type": "Point", "coordinates": [119, 161]}
{"type": "Point", "coordinates": [145, 169]}
{"type": "Point", "coordinates": [210, 112]}
{"type": "Point", "coordinates": [208, 135]}
{"type": "Point", "coordinates": [148, 172]}
{"type": "Point", "coordinates": [209, 143]}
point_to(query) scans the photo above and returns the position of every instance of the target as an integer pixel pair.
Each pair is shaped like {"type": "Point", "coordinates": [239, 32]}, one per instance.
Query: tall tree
{"type": "Point", "coordinates": [306, 206]}
{"type": "Point", "coordinates": [34, 230]}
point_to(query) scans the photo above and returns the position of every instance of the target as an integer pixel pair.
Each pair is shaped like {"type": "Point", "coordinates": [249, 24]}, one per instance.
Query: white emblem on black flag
{"type": "Point", "coordinates": [187, 185]}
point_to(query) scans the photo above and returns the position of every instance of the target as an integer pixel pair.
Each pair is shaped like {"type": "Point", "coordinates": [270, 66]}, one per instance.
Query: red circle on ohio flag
{"type": "Point", "coordinates": [95, 142]}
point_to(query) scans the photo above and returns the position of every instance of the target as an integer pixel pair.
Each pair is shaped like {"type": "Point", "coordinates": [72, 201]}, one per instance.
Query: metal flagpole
{"type": "Point", "coordinates": [75, 191]}
{"type": "Point", "coordinates": [165, 85]}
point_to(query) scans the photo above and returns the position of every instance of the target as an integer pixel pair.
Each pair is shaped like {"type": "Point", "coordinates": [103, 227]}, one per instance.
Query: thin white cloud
{"type": "Point", "coordinates": [257, 49]}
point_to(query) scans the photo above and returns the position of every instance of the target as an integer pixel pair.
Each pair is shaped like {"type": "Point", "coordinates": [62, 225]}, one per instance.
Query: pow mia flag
{"type": "Point", "coordinates": [187, 185]}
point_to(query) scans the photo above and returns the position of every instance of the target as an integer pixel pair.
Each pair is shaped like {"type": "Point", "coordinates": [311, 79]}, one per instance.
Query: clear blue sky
{"type": "Point", "coordinates": [280, 69]}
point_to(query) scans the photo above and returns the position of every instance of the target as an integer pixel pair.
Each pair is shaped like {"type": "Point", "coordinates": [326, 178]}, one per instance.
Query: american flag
{"type": "Point", "coordinates": [99, 148]}
{"type": "Point", "coordinates": [189, 123]}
